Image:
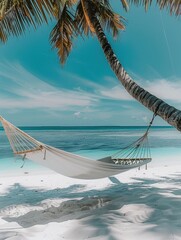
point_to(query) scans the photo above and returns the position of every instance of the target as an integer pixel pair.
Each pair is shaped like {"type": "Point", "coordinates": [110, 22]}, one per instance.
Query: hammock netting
{"type": "Point", "coordinates": [137, 152]}
{"type": "Point", "coordinates": [75, 166]}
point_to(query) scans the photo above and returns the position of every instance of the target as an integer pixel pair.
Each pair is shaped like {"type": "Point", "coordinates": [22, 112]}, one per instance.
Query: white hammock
{"type": "Point", "coordinates": [72, 165]}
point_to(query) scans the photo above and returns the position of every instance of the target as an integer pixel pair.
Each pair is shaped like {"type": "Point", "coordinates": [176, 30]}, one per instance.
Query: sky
{"type": "Point", "coordinates": [36, 90]}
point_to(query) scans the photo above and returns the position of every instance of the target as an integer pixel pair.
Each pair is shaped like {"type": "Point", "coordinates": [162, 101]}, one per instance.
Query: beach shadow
{"type": "Point", "coordinates": [114, 180]}
{"type": "Point", "coordinates": [158, 206]}
{"type": "Point", "coordinates": [67, 210]}
{"type": "Point", "coordinates": [8, 235]}
{"type": "Point", "coordinates": [18, 195]}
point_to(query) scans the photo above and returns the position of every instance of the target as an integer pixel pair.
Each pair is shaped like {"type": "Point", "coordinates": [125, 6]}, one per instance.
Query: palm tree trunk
{"type": "Point", "coordinates": [168, 113]}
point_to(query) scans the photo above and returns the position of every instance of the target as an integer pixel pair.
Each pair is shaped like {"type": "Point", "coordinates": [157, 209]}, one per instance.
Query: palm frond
{"type": "Point", "coordinates": [173, 6]}
{"type": "Point", "coordinates": [3, 34]}
{"type": "Point", "coordinates": [17, 15]}
{"type": "Point", "coordinates": [70, 3]}
{"type": "Point", "coordinates": [86, 16]}
{"type": "Point", "coordinates": [125, 4]}
{"type": "Point", "coordinates": [81, 20]}
{"type": "Point", "coordinates": [63, 33]}
{"type": "Point", "coordinates": [107, 17]}
{"type": "Point", "coordinates": [110, 20]}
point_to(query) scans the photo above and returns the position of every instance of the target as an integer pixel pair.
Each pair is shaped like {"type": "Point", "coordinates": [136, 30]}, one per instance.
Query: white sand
{"type": "Point", "coordinates": [133, 205]}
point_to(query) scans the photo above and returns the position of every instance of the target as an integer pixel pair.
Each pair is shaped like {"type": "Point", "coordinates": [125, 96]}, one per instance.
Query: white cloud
{"type": "Point", "coordinates": [77, 114]}
{"type": "Point", "coordinates": [21, 89]}
{"type": "Point", "coordinates": [165, 89]}
{"type": "Point", "coordinates": [111, 89]}
{"type": "Point", "coordinates": [116, 93]}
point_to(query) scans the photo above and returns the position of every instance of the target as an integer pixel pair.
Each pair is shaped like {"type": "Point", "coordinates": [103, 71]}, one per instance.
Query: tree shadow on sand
{"type": "Point", "coordinates": [104, 208]}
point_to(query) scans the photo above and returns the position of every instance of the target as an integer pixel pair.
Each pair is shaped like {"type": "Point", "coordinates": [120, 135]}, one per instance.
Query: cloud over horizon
{"type": "Point", "coordinates": [23, 90]}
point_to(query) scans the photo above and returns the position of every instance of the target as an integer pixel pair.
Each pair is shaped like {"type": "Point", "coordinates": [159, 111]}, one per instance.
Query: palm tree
{"type": "Point", "coordinates": [84, 17]}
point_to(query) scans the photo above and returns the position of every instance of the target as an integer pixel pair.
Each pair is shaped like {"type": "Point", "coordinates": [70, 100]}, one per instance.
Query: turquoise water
{"type": "Point", "coordinates": [94, 142]}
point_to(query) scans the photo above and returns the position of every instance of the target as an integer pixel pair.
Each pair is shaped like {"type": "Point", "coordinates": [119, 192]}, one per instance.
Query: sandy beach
{"type": "Point", "coordinates": [70, 95]}
{"type": "Point", "coordinates": [141, 204]}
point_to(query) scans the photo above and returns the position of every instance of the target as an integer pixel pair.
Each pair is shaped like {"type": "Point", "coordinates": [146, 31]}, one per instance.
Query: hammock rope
{"type": "Point", "coordinates": [20, 142]}
{"type": "Point", "coordinates": [136, 152]}
{"type": "Point", "coordinates": [135, 155]}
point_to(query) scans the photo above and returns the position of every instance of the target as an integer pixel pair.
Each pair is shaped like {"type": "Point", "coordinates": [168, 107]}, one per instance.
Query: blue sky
{"type": "Point", "coordinates": [36, 90]}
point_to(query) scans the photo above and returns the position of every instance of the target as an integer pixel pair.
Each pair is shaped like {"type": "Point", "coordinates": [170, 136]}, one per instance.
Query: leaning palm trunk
{"type": "Point", "coordinates": [156, 105]}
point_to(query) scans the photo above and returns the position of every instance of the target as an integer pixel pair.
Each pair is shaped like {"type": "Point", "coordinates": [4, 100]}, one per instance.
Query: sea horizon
{"type": "Point", "coordinates": [101, 127]}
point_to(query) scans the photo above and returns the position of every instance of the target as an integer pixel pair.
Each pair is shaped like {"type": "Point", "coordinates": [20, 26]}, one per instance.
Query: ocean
{"type": "Point", "coordinates": [92, 142]}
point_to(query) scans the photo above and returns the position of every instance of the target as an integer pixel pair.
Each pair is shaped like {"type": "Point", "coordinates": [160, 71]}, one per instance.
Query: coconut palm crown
{"type": "Point", "coordinates": [85, 17]}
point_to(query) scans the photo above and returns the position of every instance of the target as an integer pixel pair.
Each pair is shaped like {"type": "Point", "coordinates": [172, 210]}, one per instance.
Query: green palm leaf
{"type": "Point", "coordinates": [63, 33]}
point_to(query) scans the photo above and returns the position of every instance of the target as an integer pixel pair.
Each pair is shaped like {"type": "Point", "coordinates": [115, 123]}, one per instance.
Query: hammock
{"type": "Point", "coordinates": [75, 166]}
